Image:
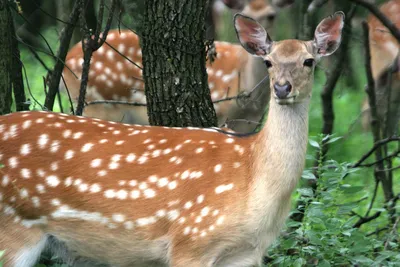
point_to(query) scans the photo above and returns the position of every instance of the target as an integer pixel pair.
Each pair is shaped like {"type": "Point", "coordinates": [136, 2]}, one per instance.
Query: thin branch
{"type": "Point", "coordinates": [97, 102]}
{"type": "Point", "coordinates": [377, 144]}
{"type": "Point", "coordinates": [364, 220]}
{"type": "Point", "coordinates": [29, 88]}
{"type": "Point", "coordinates": [122, 55]}
{"type": "Point", "coordinates": [392, 233]}
{"type": "Point", "coordinates": [389, 169]}
{"type": "Point", "coordinates": [378, 231]}
{"type": "Point", "coordinates": [55, 76]}
{"type": "Point", "coordinates": [390, 156]}
{"type": "Point", "coordinates": [371, 204]}
{"type": "Point", "coordinates": [90, 45]}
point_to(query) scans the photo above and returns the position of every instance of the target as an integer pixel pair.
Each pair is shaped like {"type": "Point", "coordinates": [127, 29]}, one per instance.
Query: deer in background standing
{"type": "Point", "coordinates": [112, 77]}
{"type": "Point", "coordinates": [385, 65]}
{"type": "Point", "coordinates": [132, 195]}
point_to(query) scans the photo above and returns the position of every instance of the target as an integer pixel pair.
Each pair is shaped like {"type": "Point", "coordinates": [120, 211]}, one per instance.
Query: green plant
{"type": "Point", "coordinates": [327, 236]}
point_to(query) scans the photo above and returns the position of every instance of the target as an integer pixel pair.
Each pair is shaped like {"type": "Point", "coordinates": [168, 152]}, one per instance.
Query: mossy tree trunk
{"type": "Point", "coordinates": [174, 58]}
{"type": "Point", "coordinates": [5, 58]}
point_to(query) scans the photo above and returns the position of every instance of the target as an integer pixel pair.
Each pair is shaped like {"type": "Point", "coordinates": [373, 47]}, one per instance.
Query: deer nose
{"type": "Point", "coordinates": [282, 91]}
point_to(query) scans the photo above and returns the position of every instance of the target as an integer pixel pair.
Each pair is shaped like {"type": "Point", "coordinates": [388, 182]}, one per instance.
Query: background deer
{"type": "Point", "coordinates": [385, 64]}
{"type": "Point", "coordinates": [130, 195]}
{"type": "Point", "coordinates": [113, 77]}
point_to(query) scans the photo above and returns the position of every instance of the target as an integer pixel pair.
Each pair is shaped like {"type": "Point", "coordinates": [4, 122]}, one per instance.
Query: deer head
{"type": "Point", "coordinates": [290, 63]}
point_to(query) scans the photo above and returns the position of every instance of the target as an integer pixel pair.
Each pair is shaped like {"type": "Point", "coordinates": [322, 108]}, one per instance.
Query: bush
{"type": "Point", "coordinates": [328, 234]}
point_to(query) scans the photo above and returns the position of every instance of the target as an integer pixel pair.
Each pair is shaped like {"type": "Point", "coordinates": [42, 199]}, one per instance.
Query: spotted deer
{"type": "Point", "coordinates": [133, 195]}
{"type": "Point", "coordinates": [385, 66]}
{"type": "Point", "coordinates": [113, 77]}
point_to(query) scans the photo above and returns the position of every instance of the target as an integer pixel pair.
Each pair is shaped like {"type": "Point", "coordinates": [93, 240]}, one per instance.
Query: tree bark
{"type": "Point", "coordinates": [174, 59]}
{"type": "Point", "coordinates": [5, 58]}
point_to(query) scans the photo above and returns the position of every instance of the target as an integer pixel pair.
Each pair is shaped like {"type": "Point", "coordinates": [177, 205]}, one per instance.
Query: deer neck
{"type": "Point", "coordinates": [279, 155]}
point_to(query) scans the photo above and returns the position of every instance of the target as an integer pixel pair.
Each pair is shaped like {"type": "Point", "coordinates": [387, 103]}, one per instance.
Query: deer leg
{"type": "Point", "coordinates": [22, 245]}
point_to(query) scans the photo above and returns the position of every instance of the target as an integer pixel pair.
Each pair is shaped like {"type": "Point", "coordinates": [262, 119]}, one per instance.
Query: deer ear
{"type": "Point", "coordinates": [328, 34]}
{"type": "Point", "coordinates": [252, 35]}
{"type": "Point", "coordinates": [234, 4]}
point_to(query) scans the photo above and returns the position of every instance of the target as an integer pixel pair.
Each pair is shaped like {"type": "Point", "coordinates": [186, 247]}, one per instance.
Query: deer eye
{"type": "Point", "coordinates": [308, 62]}
{"type": "Point", "coordinates": [268, 63]}
{"type": "Point", "coordinates": [271, 17]}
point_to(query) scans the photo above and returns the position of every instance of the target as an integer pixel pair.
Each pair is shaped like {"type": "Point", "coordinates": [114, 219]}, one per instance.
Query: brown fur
{"type": "Point", "coordinates": [217, 200]}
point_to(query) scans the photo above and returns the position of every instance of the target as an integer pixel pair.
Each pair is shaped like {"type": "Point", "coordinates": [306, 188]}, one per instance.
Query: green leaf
{"type": "Point", "coordinates": [324, 263]}
{"type": "Point", "coordinates": [299, 262]}
{"type": "Point", "coordinates": [314, 143]}
{"type": "Point", "coordinates": [306, 192]}
{"type": "Point", "coordinates": [362, 259]}
{"type": "Point", "coordinates": [308, 175]}
{"type": "Point", "coordinates": [332, 140]}
{"type": "Point", "coordinates": [278, 260]}
{"type": "Point", "coordinates": [353, 189]}
{"type": "Point", "coordinates": [291, 224]}
{"type": "Point", "coordinates": [314, 239]}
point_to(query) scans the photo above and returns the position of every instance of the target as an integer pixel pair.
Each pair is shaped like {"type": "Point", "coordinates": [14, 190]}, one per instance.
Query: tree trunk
{"type": "Point", "coordinates": [5, 58]}
{"type": "Point", "coordinates": [174, 58]}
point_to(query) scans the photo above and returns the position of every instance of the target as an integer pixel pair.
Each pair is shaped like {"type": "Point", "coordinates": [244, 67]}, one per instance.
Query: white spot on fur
{"type": "Point", "coordinates": [135, 194]}
{"type": "Point", "coordinates": [26, 173]}
{"type": "Point", "coordinates": [25, 149]}
{"type": "Point", "coordinates": [200, 199]}
{"type": "Point", "coordinates": [222, 188]}
{"type": "Point", "coordinates": [43, 140]}
{"type": "Point", "coordinates": [217, 168]}
{"type": "Point", "coordinates": [86, 147]}
{"type": "Point", "coordinates": [69, 154]}
{"type": "Point", "coordinates": [52, 181]}
{"type": "Point", "coordinates": [40, 188]}
{"type": "Point", "coordinates": [188, 205]}
{"type": "Point", "coordinates": [13, 162]}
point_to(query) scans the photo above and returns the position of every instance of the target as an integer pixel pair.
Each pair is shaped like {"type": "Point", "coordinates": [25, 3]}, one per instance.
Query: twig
{"type": "Point", "coordinates": [393, 232]}
{"type": "Point", "coordinates": [389, 169]}
{"type": "Point", "coordinates": [375, 125]}
{"type": "Point", "coordinates": [16, 73]}
{"type": "Point", "coordinates": [377, 231]}
{"type": "Point", "coordinates": [36, 55]}
{"type": "Point", "coordinates": [122, 55]}
{"type": "Point", "coordinates": [377, 144]}
{"type": "Point", "coordinates": [29, 88]}
{"type": "Point", "coordinates": [390, 156]}
{"type": "Point", "coordinates": [364, 220]}
{"type": "Point", "coordinates": [55, 76]}
{"type": "Point", "coordinates": [97, 102]}
{"type": "Point", "coordinates": [371, 204]}
{"type": "Point", "coordinates": [240, 96]}
{"type": "Point", "coordinates": [89, 45]}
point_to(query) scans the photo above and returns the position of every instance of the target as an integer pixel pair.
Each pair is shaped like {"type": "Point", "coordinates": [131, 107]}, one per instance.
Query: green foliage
{"type": "Point", "coordinates": [1, 258]}
{"type": "Point", "coordinates": [327, 236]}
